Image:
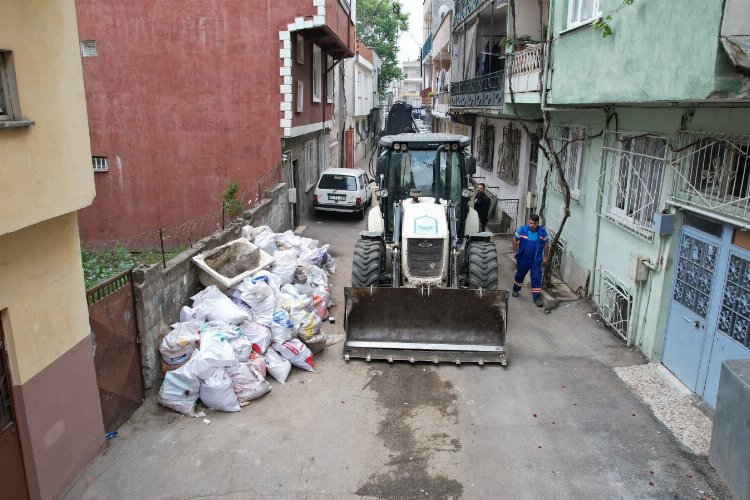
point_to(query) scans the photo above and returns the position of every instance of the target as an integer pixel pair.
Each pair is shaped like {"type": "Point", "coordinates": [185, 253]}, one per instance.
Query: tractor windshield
{"type": "Point", "coordinates": [413, 169]}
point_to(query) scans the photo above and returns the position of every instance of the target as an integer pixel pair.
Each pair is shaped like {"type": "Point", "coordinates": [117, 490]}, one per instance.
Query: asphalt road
{"type": "Point", "coordinates": [556, 423]}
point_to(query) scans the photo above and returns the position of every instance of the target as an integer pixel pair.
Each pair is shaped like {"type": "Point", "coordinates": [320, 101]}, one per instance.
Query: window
{"type": "Point", "coordinates": [582, 12]}
{"type": "Point", "coordinates": [636, 178]}
{"type": "Point", "coordinates": [569, 142]}
{"type": "Point", "coordinates": [9, 108]}
{"type": "Point", "coordinates": [300, 49]}
{"type": "Point", "coordinates": [300, 96]}
{"type": "Point", "coordinates": [509, 154]}
{"type": "Point", "coordinates": [310, 168]}
{"type": "Point", "coordinates": [317, 80]}
{"type": "Point", "coordinates": [100, 163]}
{"type": "Point", "coordinates": [329, 79]}
{"type": "Point", "coordinates": [486, 146]}
{"type": "Point", "coordinates": [88, 48]}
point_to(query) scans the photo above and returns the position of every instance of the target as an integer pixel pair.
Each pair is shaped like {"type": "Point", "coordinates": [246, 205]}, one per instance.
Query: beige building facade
{"type": "Point", "coordinates": [50, 418]}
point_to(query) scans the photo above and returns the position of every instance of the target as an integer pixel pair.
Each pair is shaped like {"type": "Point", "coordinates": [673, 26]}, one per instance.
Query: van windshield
{"type": "Point", "coordinates": [343, 182]}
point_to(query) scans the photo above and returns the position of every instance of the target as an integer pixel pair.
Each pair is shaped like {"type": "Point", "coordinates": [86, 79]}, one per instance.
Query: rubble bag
{"type": "Point", "coordinates": [246, 383]}
{"type": "Point", "coordinates": [284, 266]}
{"type": "Point", "coordinates": [277, 366]}
{"type": "Point", "coordinates": [259, 362]}
{"type": "Point", "coordinates": [180, 342]}
{"type": "Point", "coordinates": [242, 348]}
{"type": "Point", "coordinates": [215, 348]}
{"type": "Point", "coordinates": [180, 390]}
{"type": "Point", "coordinates": [282, 327]}
{"type": "Point", "coordinates": [307, 327]}
{"type": "Point", "coordinates": [261, 299]}
{"type": "Point", "coordinates": [317, 343]}
{"type": "Point", "coordinates": [257, 334]}
{"type": "Point", "coordinates": [217, 306]}
{"type": "Point", "coordinates": [297, 353]}
{"type": "Point", "coordinates": [216, 392]}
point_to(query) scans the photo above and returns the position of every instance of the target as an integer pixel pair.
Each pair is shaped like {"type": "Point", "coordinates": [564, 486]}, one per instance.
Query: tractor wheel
{"type": "Point", "coordinates": [366, 263]}
{"type": "Point", "coordinates": [482, 262]}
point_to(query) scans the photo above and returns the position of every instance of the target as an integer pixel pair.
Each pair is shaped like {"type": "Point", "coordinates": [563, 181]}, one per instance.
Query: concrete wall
{"type": "Point", "coordinates": [46, 168]}
{"type": "Point", "coordinates": [160, 292]}
{"type": "Point", "coordinates": [638, 63]}
{"type": "Point", "coordinates": [730, 442]}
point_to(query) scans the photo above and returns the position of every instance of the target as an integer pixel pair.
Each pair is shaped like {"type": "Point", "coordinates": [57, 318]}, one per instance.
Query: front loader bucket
{"type": "Point", "coordinates": [421, 324]}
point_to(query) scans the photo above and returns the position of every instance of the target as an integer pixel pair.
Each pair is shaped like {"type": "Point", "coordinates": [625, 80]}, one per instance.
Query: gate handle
{"type": "Point", "coordinates": [695, 322]}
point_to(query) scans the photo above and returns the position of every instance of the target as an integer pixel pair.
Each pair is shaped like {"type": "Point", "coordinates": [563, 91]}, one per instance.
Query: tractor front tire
{"type": "Point", "coordinates": [482, 261]}
{"type": "Point", "coordinates": [368, 255]}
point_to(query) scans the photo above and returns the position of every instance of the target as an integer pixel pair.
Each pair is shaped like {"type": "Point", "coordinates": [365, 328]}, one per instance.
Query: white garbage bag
{"type": "Point", "coordinates": [218, 307]}
{"type": "Point", "coordinates": [284, 266]}
{"type": "Point", "coordinates": [249, 232]}
{"type": "Point", "coordinates": [180, 390]}
{"type": "Point", "coordinates": [257, 334]}
{"type": "Point", "coordinates": [297, 353]}
{"type": "Point", "coordinates": [262, 301]}
{"type": "Point", "coordinates": [266, 241]}
{"type": "Point", "coordinates": [215, 347]}
{"type": "Point", "coordinates": [216, 392]}
{"type": "Point", "coordinates": [180, 342]}
{"type": "Point", "coordinates": [282, 327]}
{"type": "Point", "coordinates": [247, 384]}
{"type": "Point", "coordinates": [277, 366]}
{"type": "Point", "coordinates": [242, 348]}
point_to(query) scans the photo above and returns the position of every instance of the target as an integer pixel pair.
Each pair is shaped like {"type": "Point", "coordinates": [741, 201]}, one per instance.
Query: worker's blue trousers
{"type": "Point", "coordinates": [524, 265]}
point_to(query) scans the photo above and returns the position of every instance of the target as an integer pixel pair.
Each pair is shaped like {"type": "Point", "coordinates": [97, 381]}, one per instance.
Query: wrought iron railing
{"type": "Point", "coordinates": [614, 302]}
{"type": "Point", "coordinates": [483, 91]}
{"type": "Point", "coordinates": [527, 61]}
{"type": "Point", "coordinates": [712, 172]}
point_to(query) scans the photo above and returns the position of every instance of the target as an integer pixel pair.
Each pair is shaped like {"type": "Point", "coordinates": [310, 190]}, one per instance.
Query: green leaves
{"type": "Point", "coordinates": [603, 25]}
{"type": "Point", "coordinates": [380, 22]}
{"type": "Point", "coordinates": [229, 202]}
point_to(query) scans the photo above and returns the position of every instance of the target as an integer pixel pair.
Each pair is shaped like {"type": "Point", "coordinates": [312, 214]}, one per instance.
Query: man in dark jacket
{"type": "Point", "coordinates": [482, 205]}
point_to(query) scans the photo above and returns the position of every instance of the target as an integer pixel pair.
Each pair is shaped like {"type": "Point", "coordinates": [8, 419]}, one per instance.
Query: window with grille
{"type": "Point", "coordinates": [88, 48]}
{"type": "Point", "coordinates": [9, 108]}
{"type": "Point", "coordinates": [310, 168]}
{"type": "Point", "coordinates": [100, 163]}
{"type": "Point", "coordinates": [634, 166]}
{"type": "Point", "coordinates": [614, 302]}
{"type": "Point", "coordinates": [569, 143]}
{"type": "Point", "coordinates": [486, 146]}
{"type": "Point", "coordinates": [317, 79]}
{"type": "Point", "coordinates": [509, 154]}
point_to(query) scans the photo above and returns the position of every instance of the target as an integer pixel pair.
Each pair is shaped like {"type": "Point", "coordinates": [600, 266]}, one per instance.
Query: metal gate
{"type": "Point", "coordinates": [117, 357]}
{"type": "Point", "coordinates": [709, 315]}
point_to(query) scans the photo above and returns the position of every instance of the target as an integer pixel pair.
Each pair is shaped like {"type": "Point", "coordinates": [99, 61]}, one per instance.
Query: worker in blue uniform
{"type": "Point", "coordinates": [531, 246]}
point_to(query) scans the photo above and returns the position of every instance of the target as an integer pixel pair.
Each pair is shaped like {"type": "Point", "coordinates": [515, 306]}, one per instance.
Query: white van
{"type": "Point", "coordinates": [343, 190]}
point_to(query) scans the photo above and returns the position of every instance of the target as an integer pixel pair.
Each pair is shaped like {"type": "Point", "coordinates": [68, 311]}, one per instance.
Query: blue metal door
{"type": "Point", "coordinates": [709, 315]}
{"type": "Point", "coordinates": [686, 340]}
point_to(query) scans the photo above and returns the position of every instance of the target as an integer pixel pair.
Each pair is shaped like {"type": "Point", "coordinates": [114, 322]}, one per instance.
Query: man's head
{"type": "Point", "coordinates": [533, 221]}
{"type": "Point", "coordinates": [480, 188]}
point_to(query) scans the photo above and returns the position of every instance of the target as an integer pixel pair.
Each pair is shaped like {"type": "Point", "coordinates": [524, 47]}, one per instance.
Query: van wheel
{"type": "Point", "coordinates": [361, 214]}
{"type": "Point", "coordinates": [482, 261]}
{"type": "Point", "coordinates": [366, 263]}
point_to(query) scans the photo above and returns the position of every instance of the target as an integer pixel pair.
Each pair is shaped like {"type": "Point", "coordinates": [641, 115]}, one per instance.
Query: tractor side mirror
{"type": "Point", "coordinates": [471, 165]}
{"type": "Point", "coordinates": [382, 165]}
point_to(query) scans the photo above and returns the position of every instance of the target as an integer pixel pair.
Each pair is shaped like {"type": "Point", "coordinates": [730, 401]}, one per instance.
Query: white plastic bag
{"type": "Point", "coordinates": [282, 327]}
{"type": "Point", "coordinates": [277, 366]}
{"type": "Point", "coordinates": [242, 348]}
{"type": "Point", "coordinates": [180, 390]}
{"type": "Point", "coordinates": [297, 353]}
{"type": "Point", "coordinates": [215, 347]}
{"type": "Point", "coordinates": [307, 326]}
{"type": "Point", "coordinates": [180, 341]}
{"type": "Point", "coordinates": [235, 296]}
{"type": "Point", "coordinates": [266, 241]}
{"type": "Point", "coordinates": [218, 307]}
{"type": "Point", "coordinates": [249, 232]}
{"type": "Point", "coordinates": [246, 383]}
{"type": "Point", "coordinates": [259, 361]}
{"type": "Point", "coordinates": [216, 392]}
{"type": "Point", "coordinates": [257, 334]}
{"type": "Point", "coordinates": [262, 301]}
{"type": "Point", "coordinates": [284, 266]}
{"type": "Point", "coordinates": [317, 343]}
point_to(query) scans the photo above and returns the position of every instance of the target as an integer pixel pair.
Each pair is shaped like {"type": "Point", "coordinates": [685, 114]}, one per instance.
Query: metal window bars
{"type": "Point", "coordinates": [569, 142]}
{"type": "Point", "coordinates": [557, 256]}
{"type": "Point", "coordinates": [633, 169]}
{"type": "Point", "coordinates": [712, 172]}
{"type": "Point", "coordinates": [613, 300]}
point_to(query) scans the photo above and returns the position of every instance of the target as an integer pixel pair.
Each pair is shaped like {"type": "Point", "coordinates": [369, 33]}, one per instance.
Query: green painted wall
{"type": "Point", "coordinates": [614, 243]}
{"type": "Point", "coordinates": [665, 50]}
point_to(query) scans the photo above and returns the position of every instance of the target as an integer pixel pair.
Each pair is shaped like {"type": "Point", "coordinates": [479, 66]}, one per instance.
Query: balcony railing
{"type": "Point", "coordinates": [527, 61]}
{"type": "Point", "coordinates": [442, 102]}
{"type": "Point", "coordinates": [484, 91]}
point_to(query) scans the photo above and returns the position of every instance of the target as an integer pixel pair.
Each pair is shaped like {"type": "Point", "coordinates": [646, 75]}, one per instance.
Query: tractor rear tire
{"type": "Point", "coordinates": [368, 255]}
{"type": "Point", "coordinates": [482, 262]}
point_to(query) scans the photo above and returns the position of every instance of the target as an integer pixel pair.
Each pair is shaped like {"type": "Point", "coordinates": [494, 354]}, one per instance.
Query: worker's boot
{"type": "Point", "coordinates": [538, 301]}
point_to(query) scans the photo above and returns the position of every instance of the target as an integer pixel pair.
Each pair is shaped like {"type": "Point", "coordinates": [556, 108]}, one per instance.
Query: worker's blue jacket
{"type": "Point", "coordinates": [531, 243]}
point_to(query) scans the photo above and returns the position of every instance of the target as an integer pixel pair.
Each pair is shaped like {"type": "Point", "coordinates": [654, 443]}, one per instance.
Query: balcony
{"type": "Point", "coordinates": [441, 103]}
{"type": "Point", "coordinates": [427, 47]}
{"type": "Point", "coordinates": [331, 27]}
{"type": "Point", "coordinates": [427, 98]}
{"type": "Point", "coordinates": [524, 69]}
{"type": "Point", "coordinates": [465, 8]}
{"type": "Point", "coordinates": [481, 92]}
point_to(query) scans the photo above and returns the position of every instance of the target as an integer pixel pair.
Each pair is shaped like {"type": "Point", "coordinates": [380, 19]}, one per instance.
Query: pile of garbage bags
{"type": "Point", "coordinates": [228, 342]}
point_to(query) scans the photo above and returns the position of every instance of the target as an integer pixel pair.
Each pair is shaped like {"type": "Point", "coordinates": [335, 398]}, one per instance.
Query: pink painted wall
{"type": "Point", "coordinates": [183, 96]}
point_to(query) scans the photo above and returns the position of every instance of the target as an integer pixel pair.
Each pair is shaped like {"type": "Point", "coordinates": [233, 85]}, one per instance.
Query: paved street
{"type": "Point", "coordinates": [556, 423]}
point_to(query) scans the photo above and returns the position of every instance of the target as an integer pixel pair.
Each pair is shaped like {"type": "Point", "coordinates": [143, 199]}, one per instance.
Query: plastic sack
{"type": "Point", "coordinates": [307, 326]}
{"type": "Point", "coordinates": [242, 348]}
{"type": "Point", "coordinates": [284, 266]}
{"type": "Point", "coordinates": [317, 276]}
{"type": "Point", "coordinates": [180, 390]}
{"type": "Point", "coordinates": [317, 343]}
{"type": "Point", "coordinates": [262, 301]}
{"type": "Point", "coordinates": [257, 334]}
{"type": "Point", "coordinates": [316, 256]}
{"type": "Point", "coordinates": [180, 342]}
{"type": "Point", "coordinates": [249, 232]}
{"type": "Point", "coordinates": [282, 327]}
{"type": "Point", "coordinates": [215, 347]}
{"type": "Point", "coordinates": [319, 306]}
{"type": "Point", "coordinates": [266, 241]}
{"type": "Point", "coordinates": [226, 330]}
{"type": "Point", "coordinates": [218, 307]}
{"type": "Point", "coordinates": [259, 362]}
{"type": "Point", "coordinates": [217, 393]}
{"type": "Point", "coordinates": [246, 383]}
{"type": "Point", "coordinates": [297, 353]}
{"type": "Point", "coordinates": [189, 314]}
{"type": "Point", "coordinates": [235, 296]}
{"type": "Point", "coordinates": [277, 366]}
{"type": "Point", "coordinates": [199, 366]}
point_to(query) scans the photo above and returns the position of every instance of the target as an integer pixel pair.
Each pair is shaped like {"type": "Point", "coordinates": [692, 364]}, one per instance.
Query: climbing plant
{"type": "Point", "coordinates": [602, 24]}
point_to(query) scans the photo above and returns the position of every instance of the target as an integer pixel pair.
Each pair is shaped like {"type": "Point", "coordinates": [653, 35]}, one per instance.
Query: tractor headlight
{"type": "Point", "coordinates": [465, 193]}
{"type": "Point", "coordinates": [397, 146]}
{"type": "Point", "coordinates": [384, 193]}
